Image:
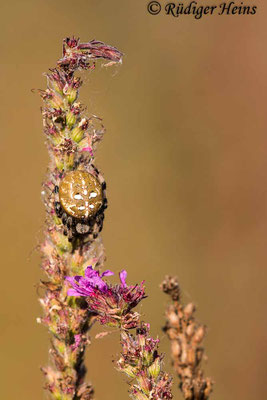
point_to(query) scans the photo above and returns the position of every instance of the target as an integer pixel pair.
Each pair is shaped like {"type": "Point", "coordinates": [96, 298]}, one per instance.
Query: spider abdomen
{"type": "Point", "coordinates": [80, 194]}
{"type": "Point", "coordinates": [80, 201]}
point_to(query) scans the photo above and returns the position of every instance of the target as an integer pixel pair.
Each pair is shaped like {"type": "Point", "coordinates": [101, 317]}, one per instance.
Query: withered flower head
{"type": "Point", "coordinates": [78, 55]}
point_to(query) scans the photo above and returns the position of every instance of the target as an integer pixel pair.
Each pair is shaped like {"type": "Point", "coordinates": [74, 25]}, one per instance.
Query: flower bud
{"type": "Point", "coordinates": [56, 101]}
{"type": "Point", "coordinates": [59, 163]}
{"type": "Point", "coordinates": [142, 340]}
{"type": "Point", "coordinates": [71, 95]}
{"type": "Point", "coordinates": [154, 368]}
{"type": "Point", "coordinates": [130, 371]}
{"type": "Point", "coordinates": [70, 119]}
{"type": "Point", "coordinates": [144, 382]}
{"type": "Point", "coordinates": [77, 134]}
{"type": "Point", "coordinates": [148, 357]}
{"type": "Point", "coordinates": [69, 161]}
{"type": "Point", "coordinates": [56, 139]}
{"type": "Point", "coordinates": [56, 86]}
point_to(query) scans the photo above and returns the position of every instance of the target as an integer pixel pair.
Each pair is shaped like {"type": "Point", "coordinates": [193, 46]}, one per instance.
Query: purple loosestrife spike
{"type": "Point", "coordinates": [113, 305]}
{"type": "Point", "coordinates": [72, 242]}
{"type": "Point", "coordinates": [72, 236]}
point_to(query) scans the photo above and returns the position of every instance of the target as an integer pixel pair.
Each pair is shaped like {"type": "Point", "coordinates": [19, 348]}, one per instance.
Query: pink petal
{"type": "Point", "coordinates": [107, 273]}
{"type": "Point", "coordinates": [73, 292]}
{"type": "Point", "coordinates": [123, 276]}
{"type": "Point", "coordinates": [89, 149]}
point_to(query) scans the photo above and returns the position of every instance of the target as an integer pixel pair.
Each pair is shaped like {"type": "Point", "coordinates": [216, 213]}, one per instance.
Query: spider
{"type": "Point", "coordinates": [80, 201]}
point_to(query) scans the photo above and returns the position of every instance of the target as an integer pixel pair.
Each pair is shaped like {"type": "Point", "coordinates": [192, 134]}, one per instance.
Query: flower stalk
{"type": "Point", "coordinates": [74, 194]}
{"type": "Point", "coordinates": [114, 306]}
{"type": "Point", "coordinates": [142, 363]}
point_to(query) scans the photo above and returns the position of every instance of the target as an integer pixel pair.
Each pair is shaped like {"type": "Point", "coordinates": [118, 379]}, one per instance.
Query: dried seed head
{"type": "Point", "coordinates": [171, 287]}
{"type": "Point", "coordinates": [186, 335]}
{"type": "Point", "coordinates": [80, 194]}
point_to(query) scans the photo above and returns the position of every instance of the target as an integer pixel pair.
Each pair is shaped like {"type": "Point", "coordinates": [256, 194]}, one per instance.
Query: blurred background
{"type": "Point", "coordinates": [185, 161]}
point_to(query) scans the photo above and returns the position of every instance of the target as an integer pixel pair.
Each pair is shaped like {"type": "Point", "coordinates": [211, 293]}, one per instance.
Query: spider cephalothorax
{"type": "Point", "coordinates": [80, 202]}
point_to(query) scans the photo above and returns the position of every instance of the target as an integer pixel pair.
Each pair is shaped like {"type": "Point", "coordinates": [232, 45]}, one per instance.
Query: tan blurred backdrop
{"type": "Point", "coordinates": [186, 166]}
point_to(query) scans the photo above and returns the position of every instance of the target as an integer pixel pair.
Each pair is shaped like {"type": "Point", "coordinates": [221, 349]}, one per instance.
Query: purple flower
{"type": "Point", "coordinates": [123, 276]}
{"type": "Point", "coordinates": [86, 286]}
{"type": "Point", "coordinates": [89, 149]}
{"type": "Point", "coordinates": [111, 302]}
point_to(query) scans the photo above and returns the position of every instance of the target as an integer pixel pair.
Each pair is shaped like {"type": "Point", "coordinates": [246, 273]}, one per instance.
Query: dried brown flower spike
{"type": "Point", "coordinates": [186, 336]}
